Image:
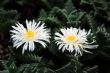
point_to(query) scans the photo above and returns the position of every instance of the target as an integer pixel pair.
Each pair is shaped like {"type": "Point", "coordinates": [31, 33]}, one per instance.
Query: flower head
{"type": "Point", "coordinates": [34, 32]}
{"type": "Point", "coordinates": [73, 39]}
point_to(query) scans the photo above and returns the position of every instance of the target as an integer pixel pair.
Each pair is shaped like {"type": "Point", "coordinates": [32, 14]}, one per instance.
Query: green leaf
{"type": "Point", "coordinates": [72, 67]}
{"type": "Point", "coordinates": [4, 71]}
{"type": "Point", "coordinates": [92, 70]}
{"type": "Point", "coordinates": [7, 19]}
{"type": "Point", "coordinates": [69, 6]}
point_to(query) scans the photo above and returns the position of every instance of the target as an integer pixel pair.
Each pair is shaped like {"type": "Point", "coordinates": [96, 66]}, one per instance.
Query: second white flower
{"type": "Point", "coordinates": [73, 39]}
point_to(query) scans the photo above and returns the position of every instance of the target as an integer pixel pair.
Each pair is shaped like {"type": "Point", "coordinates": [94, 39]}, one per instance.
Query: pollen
{"type": "Point", "coordinates": [30, 35]}
{"type": "Point", "coordinates": [71, 38]}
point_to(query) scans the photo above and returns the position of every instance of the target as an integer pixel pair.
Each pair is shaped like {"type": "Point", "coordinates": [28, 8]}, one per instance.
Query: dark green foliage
{"type": "Point", "coordinates": [91, 15]}
{"type": "Point", "coordinates": [62, 17]}
{"type": "Point", "coordinates": [7, 19]}
{"type": "Point", "coordinates": [91, 70]}
{"type": "Point", "coordinates": [3, 2]}
{"type": "Point", "coordinates": [71, 67]}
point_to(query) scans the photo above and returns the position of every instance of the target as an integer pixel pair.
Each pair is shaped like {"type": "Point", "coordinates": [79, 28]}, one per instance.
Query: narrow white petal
{"type": "Point", "coordinates": [24, 47]}
{"type": "Point", "coordinates": [61, 45]}
{"type": "Point", "coordinates": [63, 49]}
{"type": "Point", "coordinates": [31, 46]}
{"type": "Point", "coordinates": [22, 27]}
{"type": "Point", "coordinates": [59, 35]}
{"type": "Point", "coordinates": [42, 43]}
{"type": "Point", "coordinates": [91, 46]}
{"type": "Point", "coordinates": [77, 49]}
{"type": "Point", "coordinates": [15, 28]}
{"type": "Point", "coordinates": [19, 44]}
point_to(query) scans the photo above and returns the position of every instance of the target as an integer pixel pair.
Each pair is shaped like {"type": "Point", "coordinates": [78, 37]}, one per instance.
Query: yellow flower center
{"type": "Point", "coordinates": [30, 35]}
{"type": "Point", "coordinates": [71, 38]}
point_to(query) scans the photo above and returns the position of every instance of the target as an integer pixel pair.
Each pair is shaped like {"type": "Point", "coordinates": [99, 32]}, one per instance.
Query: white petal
{"type": "Point", "coordinates": [28, 24]}
{"type": "Point", "coordinates": [31, 46]}
{"type": "Point", "coordinates": [24, 47]}
{"type": "Point", "coordinates": [37, 25]}
{"type": "Point", "coordinates": [42, 43]}
{"type": "Point", "coordinates": [63, 49]}
{"type": "Point", "coordinates": [71, 48]}
{"type": "Point", "coordinates": [59, 35]}
{"type": "Point", "coordinates": [60, 46]}
{"type": "Point", "coordinates": [15, 28]}
{"type": "Point", "coordinates": [77, 49]}
{"type": "Point", "coordinates": [91, 46]}
{"type": "Point", "coordinates": [19, 44]}
{"type": "Point", "coordinates": [22, 27]}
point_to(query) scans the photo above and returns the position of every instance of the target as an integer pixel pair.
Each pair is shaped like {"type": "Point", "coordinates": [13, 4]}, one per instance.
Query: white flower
{"type": "Point", "coordinates": [35, 32]}
{"type": "Point", "coordinates": [73, 39]}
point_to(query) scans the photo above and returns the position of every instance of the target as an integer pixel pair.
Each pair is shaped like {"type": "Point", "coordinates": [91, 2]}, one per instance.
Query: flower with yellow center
{"type": "Point", "coordinates": [35, 32]}
{"type": "Point", "coordinates": [73, 39]}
